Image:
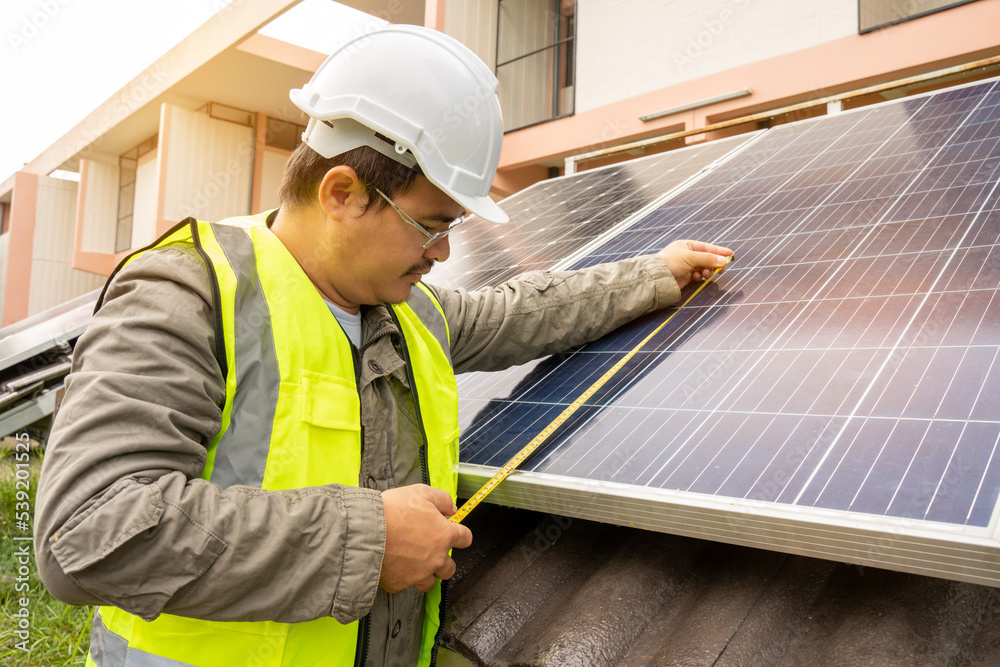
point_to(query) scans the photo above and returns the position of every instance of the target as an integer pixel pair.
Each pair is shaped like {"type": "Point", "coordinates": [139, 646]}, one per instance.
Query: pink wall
{"type": "Point", "coordinates": [434, 14]}
{"type": "Point", "coordinates": [22, 240]}
{"type": "Point", "coordinates": [94, 262]}
{"type": "Point", "coordinates": [959, 35]}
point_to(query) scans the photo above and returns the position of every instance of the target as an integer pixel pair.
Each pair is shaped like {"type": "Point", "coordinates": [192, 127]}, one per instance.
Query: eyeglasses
{"type": "Point", "coordinates": [431, 237]}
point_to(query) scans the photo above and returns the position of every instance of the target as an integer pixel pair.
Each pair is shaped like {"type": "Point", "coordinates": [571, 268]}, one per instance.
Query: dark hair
{"type": "Point", "coordinates": [306, 169]}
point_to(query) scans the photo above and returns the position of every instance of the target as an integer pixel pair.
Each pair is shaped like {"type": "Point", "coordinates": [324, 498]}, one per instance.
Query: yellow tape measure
{"type": "Point", "coordinates": [528, 449]}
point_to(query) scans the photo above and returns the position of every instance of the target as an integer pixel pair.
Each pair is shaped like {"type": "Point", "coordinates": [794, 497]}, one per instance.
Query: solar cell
{"type": "Point", "coordinates": [836, 392]}
{"type": "Point", "coordinates": [553, 219]}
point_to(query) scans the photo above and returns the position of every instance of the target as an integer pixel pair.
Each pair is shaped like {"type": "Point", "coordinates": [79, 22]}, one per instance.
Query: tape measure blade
{"type": "Point", "coordinates": [544, 434]}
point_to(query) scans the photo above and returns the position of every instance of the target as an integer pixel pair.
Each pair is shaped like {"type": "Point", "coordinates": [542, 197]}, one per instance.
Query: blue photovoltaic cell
{"type": "Point", "coordinates": [849, 358]}
{"type": "Point", "coordinates": [555, 218]}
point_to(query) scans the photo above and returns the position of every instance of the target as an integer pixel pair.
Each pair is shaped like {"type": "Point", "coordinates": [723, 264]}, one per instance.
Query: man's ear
{"type": "Point", "coordinates": [340, 190]}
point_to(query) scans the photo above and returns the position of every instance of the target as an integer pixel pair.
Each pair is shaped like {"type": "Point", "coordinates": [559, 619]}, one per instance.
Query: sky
{"type": "Point", "coordinates": [61, 59]}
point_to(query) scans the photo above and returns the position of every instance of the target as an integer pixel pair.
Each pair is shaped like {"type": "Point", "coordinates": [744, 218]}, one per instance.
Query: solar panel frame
{"type": "Point", "coordinates": [965, 552]}
{"type": "Point", "coordinates": [52, 328]}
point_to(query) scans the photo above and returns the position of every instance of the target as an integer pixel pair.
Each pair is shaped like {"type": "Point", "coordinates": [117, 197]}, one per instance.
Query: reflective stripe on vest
{"type": "Point", "coordinates": [108, 648]}
{"type": "Point", "coordinates": [291, 419]}
{"type": "Point", "coordinates": [430, 313]}
{"type": "Point", "coordinates": [241, 451]}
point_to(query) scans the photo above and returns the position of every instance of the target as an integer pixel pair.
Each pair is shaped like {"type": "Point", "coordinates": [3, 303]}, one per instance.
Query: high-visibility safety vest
{"type": "Point", "coordinates": [305, 395]}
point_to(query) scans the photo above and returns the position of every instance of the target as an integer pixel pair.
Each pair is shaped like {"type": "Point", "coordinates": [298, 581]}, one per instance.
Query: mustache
{"type": "Point", "coordinates": [422, 267]}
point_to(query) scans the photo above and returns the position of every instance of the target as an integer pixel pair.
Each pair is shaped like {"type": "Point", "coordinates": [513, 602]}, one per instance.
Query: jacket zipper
{"type": "Point", "coordinates": [356, 354]}
{"type": "Point", "coordinates": [361, 652]}
{"type": "Point", "coordinates": [364, 624]}
{"type": "Point", "coordinates": [425, 475]}
{"type": "Point", "coordinates": [442, 615]}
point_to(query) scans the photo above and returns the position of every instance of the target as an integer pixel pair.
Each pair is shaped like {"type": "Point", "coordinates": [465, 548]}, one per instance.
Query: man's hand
{"type": "Point", "coordinates": [693, 260]}
{"type": "Point", "coordinates": [418, 536]}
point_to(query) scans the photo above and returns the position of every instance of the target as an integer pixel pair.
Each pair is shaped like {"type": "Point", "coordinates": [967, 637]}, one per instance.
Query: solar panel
{"type": "Point", "coordinates": [54, 327]}
{"type": "Point", "coordinates": [836, 393]}
{"type": "Point", "coordinates": [553, 219]}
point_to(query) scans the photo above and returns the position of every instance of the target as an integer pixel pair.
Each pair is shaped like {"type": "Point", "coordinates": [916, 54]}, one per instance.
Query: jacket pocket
{"type": "Point", "coordinates": [540, 280]}
{"type": "Point", "coordinates": [133, 550]}
{"type": "Point", "coordinates": [124, 511]}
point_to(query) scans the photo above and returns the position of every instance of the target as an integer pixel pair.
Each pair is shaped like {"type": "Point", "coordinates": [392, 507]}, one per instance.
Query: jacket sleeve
{"type": "Point", "coordinates": [122, 516]}
{"type": "Point", "coordinates": [543, 312]}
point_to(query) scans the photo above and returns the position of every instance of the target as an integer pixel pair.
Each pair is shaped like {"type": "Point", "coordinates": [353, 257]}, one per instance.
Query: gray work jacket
{"type": "Point", "coordinates": [123, 518]}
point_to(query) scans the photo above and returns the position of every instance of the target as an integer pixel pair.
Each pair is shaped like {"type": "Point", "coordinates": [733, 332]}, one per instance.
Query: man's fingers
{"type": "Point", "coordinates": [463, 537]}
{"type": "Point", "coordinates": [693, 260]}
{"type": "Point", "coordinates": [701, 246]}
{"type": "Point", "coordinates": [441, 500]}
{"type": "Point", "coordinates": [446, 571]}
{"type": "Point", "coordinates": [418, 537]}
{"type": "Point", "coordinates": [425, 585]}
{"type": "Point", "coordinates": [708, 260]}
{"type": "Point", "coordinates": [700, 274]}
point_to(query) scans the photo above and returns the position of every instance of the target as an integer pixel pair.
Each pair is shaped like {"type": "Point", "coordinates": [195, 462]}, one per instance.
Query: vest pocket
{"type": "Point", "coordinates": [330, 402]}
{"type": "Point", "coordinates": [317, 433]}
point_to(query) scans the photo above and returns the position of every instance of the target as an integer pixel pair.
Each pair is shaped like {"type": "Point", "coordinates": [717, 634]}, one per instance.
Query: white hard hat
{"type": "Point", "coordinates": [417, 96]}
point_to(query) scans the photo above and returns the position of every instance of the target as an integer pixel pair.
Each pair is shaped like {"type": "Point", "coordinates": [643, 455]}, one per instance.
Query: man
{"type": "Point", "coordinates": [254, 460]}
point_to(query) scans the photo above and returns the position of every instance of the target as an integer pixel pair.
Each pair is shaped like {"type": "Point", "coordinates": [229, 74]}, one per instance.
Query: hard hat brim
{"type": "Point", "coordinates": [483, 207]}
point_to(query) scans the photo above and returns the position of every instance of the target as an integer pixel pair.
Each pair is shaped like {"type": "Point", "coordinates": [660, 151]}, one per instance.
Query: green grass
{"type": "Point", "coordinates": [59, 633]}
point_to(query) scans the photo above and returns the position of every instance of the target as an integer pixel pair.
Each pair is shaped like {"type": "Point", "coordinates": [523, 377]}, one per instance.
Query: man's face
{"type": "Point", "coordinates": [385, 254]}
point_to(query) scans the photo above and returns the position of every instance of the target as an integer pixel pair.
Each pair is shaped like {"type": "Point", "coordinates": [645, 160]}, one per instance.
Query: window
{"type": "Point", "coordinates": [874, 14]}
{"type": "Point", "coordinates": [4, 217]}
{"type": "Point", "coordinates": [282, 134]}
{"type": "Point", "coordinates": [227, 113]}
{"type": "Point", "coordinates": [128, 163]}
{"type": "Point", "coordinates": [535, 60]}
